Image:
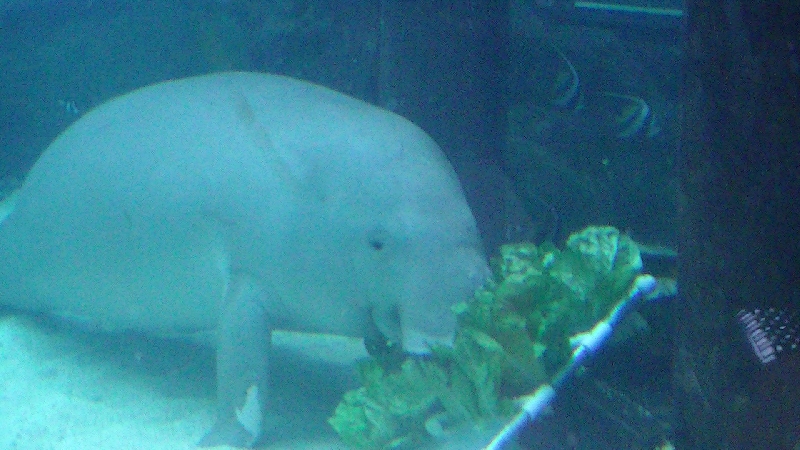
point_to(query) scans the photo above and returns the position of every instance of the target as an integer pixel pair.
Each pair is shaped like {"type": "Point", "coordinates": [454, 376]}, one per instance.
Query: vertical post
{"type": "Point", "coordinates": [741, 151]}
{"type": "Point", "coordinates": [442, 65]}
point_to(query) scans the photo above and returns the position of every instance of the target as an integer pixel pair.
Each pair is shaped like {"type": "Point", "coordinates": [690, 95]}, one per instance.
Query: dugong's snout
{"type": "Point", "coordinates": [426, 311]}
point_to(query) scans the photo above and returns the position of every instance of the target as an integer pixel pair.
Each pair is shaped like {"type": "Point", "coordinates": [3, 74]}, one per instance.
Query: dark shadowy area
{"type": "Point", "coordinates": [739, 220]}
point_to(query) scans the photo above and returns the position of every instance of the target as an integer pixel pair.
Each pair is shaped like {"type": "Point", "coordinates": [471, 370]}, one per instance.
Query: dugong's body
{"type": "Point", "coordinates": [228, 205]}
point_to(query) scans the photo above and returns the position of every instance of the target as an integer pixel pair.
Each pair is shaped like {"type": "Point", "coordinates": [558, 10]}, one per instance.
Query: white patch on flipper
{"type": "Point", "coordinates": [250, 415]}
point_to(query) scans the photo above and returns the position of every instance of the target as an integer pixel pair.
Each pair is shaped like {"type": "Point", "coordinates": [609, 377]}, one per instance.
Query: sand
{"type": "Point", "coordinates": [65, 389]}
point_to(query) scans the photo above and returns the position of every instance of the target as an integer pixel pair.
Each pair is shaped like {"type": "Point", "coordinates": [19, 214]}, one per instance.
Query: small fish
{"type": "Point", "coordinates": [632, 114]}
{"type": "Point", "coordinates": [770, 332]}
{"type": "Point", "coordinates": [566, 88]}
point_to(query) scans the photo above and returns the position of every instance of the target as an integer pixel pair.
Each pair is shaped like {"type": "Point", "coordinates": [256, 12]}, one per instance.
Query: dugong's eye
{"type": "Point", "coordinates": [377, 244]}
{"type": "Point", "coordinates": [376, 238]}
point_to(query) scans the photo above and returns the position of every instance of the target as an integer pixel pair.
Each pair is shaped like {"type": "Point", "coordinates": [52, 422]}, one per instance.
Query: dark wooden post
{"type": "Point", "coordinates": [740, 218]}
{"type": "Point", "coordinates": [442, 65]}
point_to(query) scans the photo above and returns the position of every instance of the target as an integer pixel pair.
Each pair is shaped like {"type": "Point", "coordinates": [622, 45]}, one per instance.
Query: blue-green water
{"type": "Point", "coordinates": [591, 137]}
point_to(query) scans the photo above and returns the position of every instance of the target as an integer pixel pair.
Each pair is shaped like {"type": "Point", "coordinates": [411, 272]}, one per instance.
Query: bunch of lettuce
{"type": "Point", "coordinates": [513, 334]}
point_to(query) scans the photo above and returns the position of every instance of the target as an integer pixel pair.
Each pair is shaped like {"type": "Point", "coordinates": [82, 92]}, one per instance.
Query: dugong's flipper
{"type": "Point", "coordinates": [243, 342]}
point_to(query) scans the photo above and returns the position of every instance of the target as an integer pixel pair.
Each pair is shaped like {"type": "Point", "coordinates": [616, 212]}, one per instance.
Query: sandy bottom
{"type": "Point", "coordinates": [64, 389]}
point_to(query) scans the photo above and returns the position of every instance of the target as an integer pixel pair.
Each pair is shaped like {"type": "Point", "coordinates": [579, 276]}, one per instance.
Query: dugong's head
{"type": "Point", "coordinates": [396, 233]}
{"type": "Point", "coordinates": [439, 261]}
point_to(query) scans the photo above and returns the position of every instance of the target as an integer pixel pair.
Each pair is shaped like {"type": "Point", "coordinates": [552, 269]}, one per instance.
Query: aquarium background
{"type": "Point", "coordinates": [565, 163]}
{"type": "Point", "coordinates": [567, 157]}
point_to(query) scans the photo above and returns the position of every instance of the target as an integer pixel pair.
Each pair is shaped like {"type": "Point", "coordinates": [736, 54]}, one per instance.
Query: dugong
{"type": "Point", "coordinates": [225, 206]}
